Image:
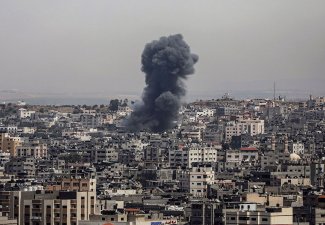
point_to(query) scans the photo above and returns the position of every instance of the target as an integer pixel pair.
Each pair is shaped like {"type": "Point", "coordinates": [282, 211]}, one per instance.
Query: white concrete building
{"type": "Point", "coordinates": [249, 126]}
{"type": "Point", "coordinates": [24, 113]}
{"type": "Point", "coordinates": [297, 148]}
{"type": "Point", "coordinates": [195, 154]}
{"type": "Point", "coordinates": [205, 112]}
{"type": "Point", "coordinates": [200, 176]}
{"type": "Point", "coordinates": [91, 121]}
{"type": "Point", "coordinates": [4, 158]}
{"type": "Point", "coordinates": [242, 155]}
{"type": "Point", "coordinates": [8, 129]}
{"type": "Point", "coordinates": [202, 154]}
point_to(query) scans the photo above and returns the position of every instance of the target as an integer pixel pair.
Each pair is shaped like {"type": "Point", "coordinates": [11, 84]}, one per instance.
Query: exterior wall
{"type": "Point", "coordinates": [9, 144]}
{"type": "Point", "coordinates": [178, 158]}
{"type": "Point", "coordinates": [184, 180]}
{"type": "Point", "coordinates": [284, 217]}
{"type": "Point", "coordinates": [233, 156]}
{"type": "Point", "coordinates": [236, 128]}
{"type": "Point", "coordinates": [107, 154]}
{"type": "Point", "coordinates": [5, 221]}
{"type": "Point", "coordinates": [74, 185]}
{"type": "Point", "coordinates": [297, 148]}
{"type": "Point", "coordinates": [23, 113]}
{"type": "Point", "coordinates": [275, 201]}
{"type": "Point", "coordinates": [199, 178]}
{"type": "Point", "coordinates": [36, 151]}
{"type": "Point", "coordinates": [91, 121]}
{"type": "Point", "coordinates": [206, 154]}
{"type": "Point", "coordinates": [19, 166]}
{"type": "Point", "coordinates": [205, 112]}
{"type": "Point", "coordinates": [279, 216]}
{"type": "Point", "coordinates": [49, 207]}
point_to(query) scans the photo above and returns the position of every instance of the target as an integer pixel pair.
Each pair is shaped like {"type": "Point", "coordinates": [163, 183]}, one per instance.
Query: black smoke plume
{"type": "Point", "coordinates": [166, 63]}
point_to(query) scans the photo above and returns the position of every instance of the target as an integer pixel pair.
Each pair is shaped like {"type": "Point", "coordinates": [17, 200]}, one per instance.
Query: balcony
{"type": "Point", "coordinates": [36, 218]}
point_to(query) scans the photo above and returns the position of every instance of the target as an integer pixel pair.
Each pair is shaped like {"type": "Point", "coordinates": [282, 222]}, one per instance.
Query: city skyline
{"type": "Point", "coordinates": [82, 49]}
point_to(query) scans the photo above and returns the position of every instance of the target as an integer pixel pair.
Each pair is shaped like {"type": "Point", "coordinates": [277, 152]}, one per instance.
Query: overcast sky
{"type": "Point", "coordinates": [79, 47]}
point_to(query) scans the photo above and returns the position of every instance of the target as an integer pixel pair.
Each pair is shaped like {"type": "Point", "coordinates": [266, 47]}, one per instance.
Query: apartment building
{"type": "Point", "coordinates": [72, 184]}
{"type": "Point", "coordinates": [187, 156]}
{"type": "Point", "coordinates": [91, 120]}
{"type": "Point", "coordinates": [241, 126]}
{"type": "Point", "coordinates": [246, 154]}
{"type": "Point", "coordinates": [9, 143]}
{"type": "Point", "coordinates": [297, 148]}
{"type": "Point", "coordinates": [5, 221]}
{"type": "Point", "coordinates": [202, 154]}
{"type": "Point", "coordinates": [35, 150]}
{"type": "Point", "coordinates": [107, 155]}
{"type": "Point", "coordinates": [205, 112]}
{"type": "Point", "coordinates": [248, 213]}
{"type": "Point", "coordinates": [73, 203]}
{"type": "Point", "coordinates": [200, 176]}
{"type": "Point", "coordinates": [24, 113]}
{"type": "Point", "coordinates": [178, 158]}
{"type": "Point", "coordinates": [24, 167]}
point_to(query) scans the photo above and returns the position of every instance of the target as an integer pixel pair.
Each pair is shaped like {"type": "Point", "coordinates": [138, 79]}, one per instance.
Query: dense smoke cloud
{"type": "Point", "coordinates": [166, 62]}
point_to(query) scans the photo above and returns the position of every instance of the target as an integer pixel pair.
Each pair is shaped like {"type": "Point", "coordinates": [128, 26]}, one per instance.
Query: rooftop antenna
{"type": "Point", "coordinates": [274, 90]}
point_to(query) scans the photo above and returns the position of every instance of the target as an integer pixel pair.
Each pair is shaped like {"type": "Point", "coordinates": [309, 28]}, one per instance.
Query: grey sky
{"type": "Point", "coordinates": [95, 46]}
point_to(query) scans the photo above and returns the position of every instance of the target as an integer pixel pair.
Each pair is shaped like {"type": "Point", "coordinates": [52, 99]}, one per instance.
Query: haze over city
{"type": "Point", "coordinates": [162, 112]}
{"type": "Point", "coordinates": [92, 49]}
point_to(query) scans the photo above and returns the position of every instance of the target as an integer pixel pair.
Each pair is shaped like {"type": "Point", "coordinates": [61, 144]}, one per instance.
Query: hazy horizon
{"type": "Point", "coordinates": [76, 49]}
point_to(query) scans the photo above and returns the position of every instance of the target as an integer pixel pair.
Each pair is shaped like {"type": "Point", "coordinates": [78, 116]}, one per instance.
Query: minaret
{"type": "Point", "coordinates": [286, 144]}
{"type": "Point", "coordinates": [273, 142]}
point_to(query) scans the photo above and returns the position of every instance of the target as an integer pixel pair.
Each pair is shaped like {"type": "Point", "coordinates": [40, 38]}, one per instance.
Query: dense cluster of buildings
{"type": "Point", "coordinates": [225, 161]}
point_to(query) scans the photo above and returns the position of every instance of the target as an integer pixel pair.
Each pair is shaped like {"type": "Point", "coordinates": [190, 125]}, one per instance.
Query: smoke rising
{"type": "Point", "coordinates": [166, 63]}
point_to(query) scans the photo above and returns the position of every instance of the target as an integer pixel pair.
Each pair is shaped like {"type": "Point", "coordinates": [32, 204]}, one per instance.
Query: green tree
{"type": "Point", "coordinates": [125, 102]}
{"type": "Point", "coordinates": [113, 104]}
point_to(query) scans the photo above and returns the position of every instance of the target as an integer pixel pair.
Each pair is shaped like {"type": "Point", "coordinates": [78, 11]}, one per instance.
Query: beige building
{"type": "Point", "coordinates": [9, 144]}
{"type": "Point", "coordinates": [35, 150]}
{"type": "Point", "coordinates": [24, 113]}
{"type": "Point", "coordinates": [73, 184]}
{"type": "Point", "coordinates": [54, 207]}
{"type": "Point", "coordinates": [200, 176]}
{"type": "Point", "coordinates": [5, 221]}
{"type": "Point", "coordinates": [267, 216]}
{"type": "Point", "coordinates": [186, 157]}
{"type": "Point", "coordinates": [263, 199]}
{"type": "Point", "coordinates": [240, 126]}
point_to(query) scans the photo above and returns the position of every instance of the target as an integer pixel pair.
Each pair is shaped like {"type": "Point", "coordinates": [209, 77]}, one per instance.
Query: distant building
{"type": "Point", "coordinates": [75, 202]}
{"type": "Point", "coordinates": [36, 150]}
{"type": "Point", "coordinates": [24, 113]}
{"type": "Point", "coordinates": [241, 126]}
{"type": "Point", "coordinates": [91, 120]}
{"type": "Point", "coordinates": [249, 214]}
{"type": "Point", "coordinates": [200, 176]}
{"type": "Point", "coordinates": [9, 144]}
